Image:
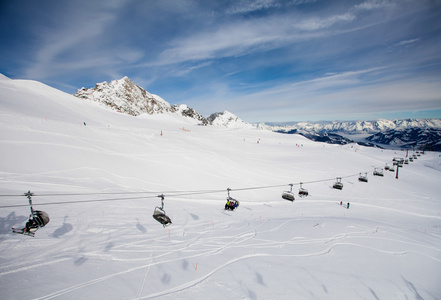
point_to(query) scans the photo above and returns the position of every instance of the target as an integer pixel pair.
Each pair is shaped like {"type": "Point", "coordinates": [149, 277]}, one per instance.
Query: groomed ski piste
{"type": "Point", "coordinates": [99, 184]}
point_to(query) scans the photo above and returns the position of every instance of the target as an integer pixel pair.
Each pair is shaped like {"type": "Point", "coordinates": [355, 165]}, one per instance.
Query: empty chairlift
{"type": "Point", "coordinates": [232, 203]}
{"type": "Point", "coordinates": [302, 191]}
{"type": "Point", "coordinates": [378, 172]}
{"type": "Point", "coordinates": [363, 178]}
{"type": "Point", "coordinates": [160, 215]}
{"type": "Point", "coordinates": [288, 195]}
{"type": "Point", "coordinates": [338, 184]}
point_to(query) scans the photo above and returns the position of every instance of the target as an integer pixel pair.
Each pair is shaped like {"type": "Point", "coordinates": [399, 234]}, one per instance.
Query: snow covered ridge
{"type": "Point", "coordinates": [425, 138]}
{"type": "Point", "coordinates": [126, 97]}
{"type": "Point", "coordinates": [407, 134]}
{"type": "Point", "coordinates": [354, 127]}
{"type": "Point", "coordinates": [227, 119]}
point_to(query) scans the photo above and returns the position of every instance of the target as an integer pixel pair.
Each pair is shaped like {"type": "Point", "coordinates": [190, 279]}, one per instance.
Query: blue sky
{"type": "Point", "coordinates": [264, 60]}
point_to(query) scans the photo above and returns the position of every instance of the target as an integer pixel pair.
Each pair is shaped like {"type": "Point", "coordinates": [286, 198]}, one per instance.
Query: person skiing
{"type": "Point", "coordinates": [348, 206]}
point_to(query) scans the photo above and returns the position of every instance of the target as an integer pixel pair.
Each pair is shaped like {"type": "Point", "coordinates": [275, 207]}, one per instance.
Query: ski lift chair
{"type": "Point", "coordinates": [392, 169]}
{"type": "Point", "coordinates": [338, 184]}
{"type": "Point", "coordinates": [363, 178]}
{"type": "Point", "coordinates": [288, 195]}
{"type": "Point", "coordinates": [378, 172]}
{"type": "Point", "coordinates": [302, 191]}
{"type": "Point", "coordinates": [37, 219]}
{"type": "Point", "coordinates": [160, 215]}
{"type": "Point", "coordinates": [386, 167]}
{"type": "Point", "coordinates": [232, 203]}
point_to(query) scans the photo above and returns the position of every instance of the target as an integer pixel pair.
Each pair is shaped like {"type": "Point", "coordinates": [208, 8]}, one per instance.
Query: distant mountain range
{"type": "Point", "coordinates": [126, 97]}
{"type": "Point", "coordinates": [357, 127]}
{"type": "Point", "coordinates": [406, 134]}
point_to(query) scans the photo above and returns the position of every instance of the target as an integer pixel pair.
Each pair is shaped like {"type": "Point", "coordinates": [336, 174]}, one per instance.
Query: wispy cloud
{"type": "Point", "coordinates": [246, 6]}
{"type": "Point", "coordinates": [248, 36]}
{"type": "Point", "coordinates": [73, 47]}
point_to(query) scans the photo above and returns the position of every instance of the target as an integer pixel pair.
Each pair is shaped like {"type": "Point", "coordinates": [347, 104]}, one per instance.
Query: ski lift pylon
{"type": "Point", "coordinates": [302, 191]}
{"type": "Point", "coordinates": [37, 219]}
{"type": "Point", "coordinates": [232, 203]}
{"type": "Point", "coordinates": [338, 184]}
{"type": "Point", "coordinates": [160, 215]}
{"type": "Point", "coordinates": [288, 195]}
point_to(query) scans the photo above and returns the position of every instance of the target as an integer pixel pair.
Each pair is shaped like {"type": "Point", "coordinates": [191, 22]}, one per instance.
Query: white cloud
{"type": "Point", "coordinates": [65, 46]}
{"type": "Point", "coordinates": [374, 4]}
{"type": "Point", "coordinates": [406, 42]}
{"type": "Point", "coordinates": [250, 36]}
{"type": "Point", "coordinates": [246, 6]}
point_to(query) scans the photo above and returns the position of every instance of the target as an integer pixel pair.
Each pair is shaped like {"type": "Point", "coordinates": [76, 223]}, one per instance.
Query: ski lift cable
{"type": "Point", "coordinates": [168, 193]}
{"type": "Point", "coordinates": [114, 199]}
{"type": "Point", "coordinates": [113, 193]}
{"type": "Point", "coordinates": [78, 201]}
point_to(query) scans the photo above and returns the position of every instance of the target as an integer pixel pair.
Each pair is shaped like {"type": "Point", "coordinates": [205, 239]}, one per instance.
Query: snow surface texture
{"type": "Point", "coordinates": [387, 245]}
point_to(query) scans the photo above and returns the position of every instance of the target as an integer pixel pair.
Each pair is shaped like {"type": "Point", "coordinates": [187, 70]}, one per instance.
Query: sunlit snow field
{"type": "Point", "coordinates": [387, 245]}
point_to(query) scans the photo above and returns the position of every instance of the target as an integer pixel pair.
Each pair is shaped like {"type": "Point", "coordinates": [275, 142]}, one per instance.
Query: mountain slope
{"type": "Point", "coordinates": [228, 119]}
{"type": "Point", "coordinates": [382, 133]}
{"type": "Point", "coordinates": [124, 96]}
{"type": "Point", "coordinates": [418, 138]}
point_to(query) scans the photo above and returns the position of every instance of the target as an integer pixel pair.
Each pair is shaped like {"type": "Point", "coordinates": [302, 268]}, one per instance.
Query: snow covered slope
{"type": "Point", "coordinates": [99, 184]}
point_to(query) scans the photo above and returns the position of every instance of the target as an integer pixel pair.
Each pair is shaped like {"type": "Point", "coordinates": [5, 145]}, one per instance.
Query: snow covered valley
{"type": "Point", "coordinates": [97, 173]}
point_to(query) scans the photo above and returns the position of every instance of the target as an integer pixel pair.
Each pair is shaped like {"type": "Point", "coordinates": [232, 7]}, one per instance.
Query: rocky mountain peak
{"type": "Point", "coordinates": [227, 119]}
{"type": "Point", "coordinates": [124, 96]}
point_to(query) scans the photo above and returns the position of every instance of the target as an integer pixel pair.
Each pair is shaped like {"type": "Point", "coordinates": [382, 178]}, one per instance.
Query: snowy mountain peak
{"type": "Point", "coordinates": [227, 119]}
{"type": "Point", "coordinates": [353, 127]}
{"type": "Point", "coordinates": [124, 96]}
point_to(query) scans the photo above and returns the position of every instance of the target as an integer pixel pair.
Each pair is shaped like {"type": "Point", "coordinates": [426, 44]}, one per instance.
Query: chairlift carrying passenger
{"type": "Point", "coordinates": [160, 215]}
{"type": "Point", "coordinates": [232, 203]}
{"type": "Point", "coordinates": [288, 195]}
{"type": "Point", "coordinates": [37, 219]}
{"type": "Point", "coordinates": [338, 184]}
{"type": "Point", "coordinates": [363, 178]}
{"type": "Point", "coordinates": [302, 191]}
